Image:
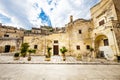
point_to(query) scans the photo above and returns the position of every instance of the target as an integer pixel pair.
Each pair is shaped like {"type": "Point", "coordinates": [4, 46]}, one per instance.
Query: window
{"type": "Point", "coordinates": [80, 31]}
{"type": "Point", "coordinates": [6, 35]}
{"type": "Point", "coordinates": [35, 46]}
{"type": "Point", "coordinates": [101, 22]}
{"type": "Point", "coordinates": [78, 47]}
{"type": "Point", "coordinates": [88, 47]}
{"type": "Point", "coordinates": [55, 41]}
{"type": "Point", "coordinates": [106, 42]}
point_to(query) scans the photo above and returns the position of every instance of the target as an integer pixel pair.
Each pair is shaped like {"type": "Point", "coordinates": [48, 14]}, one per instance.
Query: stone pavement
{"type": "Point", "coordinates": [54, 60]}
{"type": "Point", "coordinates": [59, 72]}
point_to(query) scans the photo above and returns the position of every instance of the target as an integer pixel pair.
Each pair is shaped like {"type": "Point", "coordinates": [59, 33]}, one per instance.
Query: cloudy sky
{"type": "Point", "coordinates": [33, 13]}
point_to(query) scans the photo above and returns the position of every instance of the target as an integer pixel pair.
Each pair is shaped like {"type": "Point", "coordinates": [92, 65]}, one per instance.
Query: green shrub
{"type": "Point", "coordinates": [79, 56]}
{"type": "Point", "coordinates": [63, 50]}
{"type": "Point", "coordinates": [16, 54]}
{"type": "Point", "coordinates": [24, 49]}
{"type": "Point", "coordinates": [48, 51]}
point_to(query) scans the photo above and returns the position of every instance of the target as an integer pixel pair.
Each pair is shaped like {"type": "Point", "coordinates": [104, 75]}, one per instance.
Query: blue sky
{"type": "Point", "coordinates": [33, 13]}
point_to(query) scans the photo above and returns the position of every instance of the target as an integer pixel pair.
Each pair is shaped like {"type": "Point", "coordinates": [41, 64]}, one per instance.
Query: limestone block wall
{"type": "Point", "coordinates": [105, 10]}
{"type": "Point", "coordinates": [12, 44]}
{"type": "Point", "coordinates": [117, 7]}
{"type": "Point", "coordinates": [36, 40]}
{"type": "Point", "coordinates": [43, 41]}
{"type": "Point", "coordinates": [117, 32]}
{"type": "Point", "coordinates": [62, 39]}
{"type": "Point", "coordinates": [79, 34]}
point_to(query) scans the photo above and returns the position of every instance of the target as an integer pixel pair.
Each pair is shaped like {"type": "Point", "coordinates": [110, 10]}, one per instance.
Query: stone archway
{"type": "Point", "coordinates": [7, 48]}
{"type": "Point", "coordinates": [102, 48]}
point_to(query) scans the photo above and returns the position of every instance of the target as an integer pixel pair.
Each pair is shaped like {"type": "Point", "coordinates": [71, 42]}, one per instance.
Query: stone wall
{"type": "Point", "coordinates": [79, 34]}
{"type": "Point", "coordinates": [106, 10]}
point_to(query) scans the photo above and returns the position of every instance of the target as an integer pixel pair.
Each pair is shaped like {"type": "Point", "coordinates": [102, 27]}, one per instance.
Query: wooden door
{"type": "Point", "coordinates": [55, 50]}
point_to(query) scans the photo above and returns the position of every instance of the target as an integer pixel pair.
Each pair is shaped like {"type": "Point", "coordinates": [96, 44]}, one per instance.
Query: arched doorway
{"type": "Point", "coordinates": [102, 48]}
{"type": "Point", "coordinates": [7, 48]}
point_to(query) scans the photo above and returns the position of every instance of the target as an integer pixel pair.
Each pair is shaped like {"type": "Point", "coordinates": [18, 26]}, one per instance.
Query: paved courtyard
{"type": "Point", "coordinates": [59, 72]}
{"type": "Point", "coordinates": [54, 60]}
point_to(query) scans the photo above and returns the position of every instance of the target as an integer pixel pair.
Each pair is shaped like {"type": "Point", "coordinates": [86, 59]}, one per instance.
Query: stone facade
{"type": "Point", "coordinates": [10, 39]}
{"type": "Point", "coordinates": [100, 33]}
{"type": "Point", "coordinates": [79, 35]}
{"type": "Point", "coordinates": [105, 34]}
{"type": "Point", "coordinates": [76, 39]}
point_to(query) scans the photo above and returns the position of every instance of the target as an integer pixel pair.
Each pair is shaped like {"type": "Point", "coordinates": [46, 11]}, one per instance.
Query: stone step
{"type": "Point", "coordinates": [7, 54]}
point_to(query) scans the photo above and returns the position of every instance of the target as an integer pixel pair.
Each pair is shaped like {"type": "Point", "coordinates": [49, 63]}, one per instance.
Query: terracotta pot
{"type": "Point", "coordinates": [64, 57]}
{"type": "Point", "coordinates": [47, 59]}
{"type": "Point", "coordinates": [16, 58]}
{"type": "Point", "coordinates": [29, 58]}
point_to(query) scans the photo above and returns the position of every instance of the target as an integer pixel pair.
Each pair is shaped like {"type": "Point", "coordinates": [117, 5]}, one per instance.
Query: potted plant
{"type": "Point", "coordinates": [118, 57]}
{"type": "Point", "coordinates": [16, 56]}
{"type": "Point", "coordinates": [79, 57]}
{"type": "Point", "coordinates": [24, 49]}
{"type": "Point", "coordinates": [90, 53]}
{"type": "Point", "coordinates": [48, 55]}
{"type": "Point", "coordinates": [63, 50]}
{"type": "Point", "coordinates": [30, 51]}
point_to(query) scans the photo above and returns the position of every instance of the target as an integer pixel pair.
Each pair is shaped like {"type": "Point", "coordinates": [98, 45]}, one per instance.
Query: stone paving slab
{"type": "Point", "coordinates": [59, 72]}
{"type": "Point", "coordinates": [54, 60]}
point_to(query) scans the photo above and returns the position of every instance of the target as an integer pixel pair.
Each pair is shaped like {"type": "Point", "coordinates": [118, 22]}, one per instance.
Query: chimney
{"type": "Point", "coordinates": [71, 18]}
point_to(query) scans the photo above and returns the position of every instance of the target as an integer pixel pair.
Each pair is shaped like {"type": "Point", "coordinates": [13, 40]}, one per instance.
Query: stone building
{"type": "Point", "coordinates": [55, 39]}
{"type": "Point", "coordinates": [79, 35]}
{"type": "Point", "coordinates": [76, 38]}
{"type": "Point", "coordinates": [101, 32]}
{"type": "Point", "coordinates": [10, 39]}
{"type": "Point", "coordinates": [106, 20]}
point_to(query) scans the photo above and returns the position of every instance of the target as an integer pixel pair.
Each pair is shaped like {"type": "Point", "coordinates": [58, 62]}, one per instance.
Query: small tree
{"type": "Point", "coordinates": [91, 49]}
{"type": "Point", "coordinates": [31, 51]}
{"type": "Point", "coordinates": [48, 52]}
{"type": "Point", "coordinates": [63, 50]}
{"type": "Point", "coordinates": [90, 53]}
{"type": "Point", "coordinates": [24, 49]}
{"type": "Point", "coordinates": [48, 55]}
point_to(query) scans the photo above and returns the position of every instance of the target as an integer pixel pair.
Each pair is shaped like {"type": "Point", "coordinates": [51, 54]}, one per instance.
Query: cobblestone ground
{"type": "Point", "coordinates": [54, 60]}
{"type": "Point", "coordinates": [59, 72]}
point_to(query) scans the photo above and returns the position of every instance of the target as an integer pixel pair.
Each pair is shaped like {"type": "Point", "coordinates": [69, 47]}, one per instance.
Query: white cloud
{"type": "Point", "coordinates": [25, 13]}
